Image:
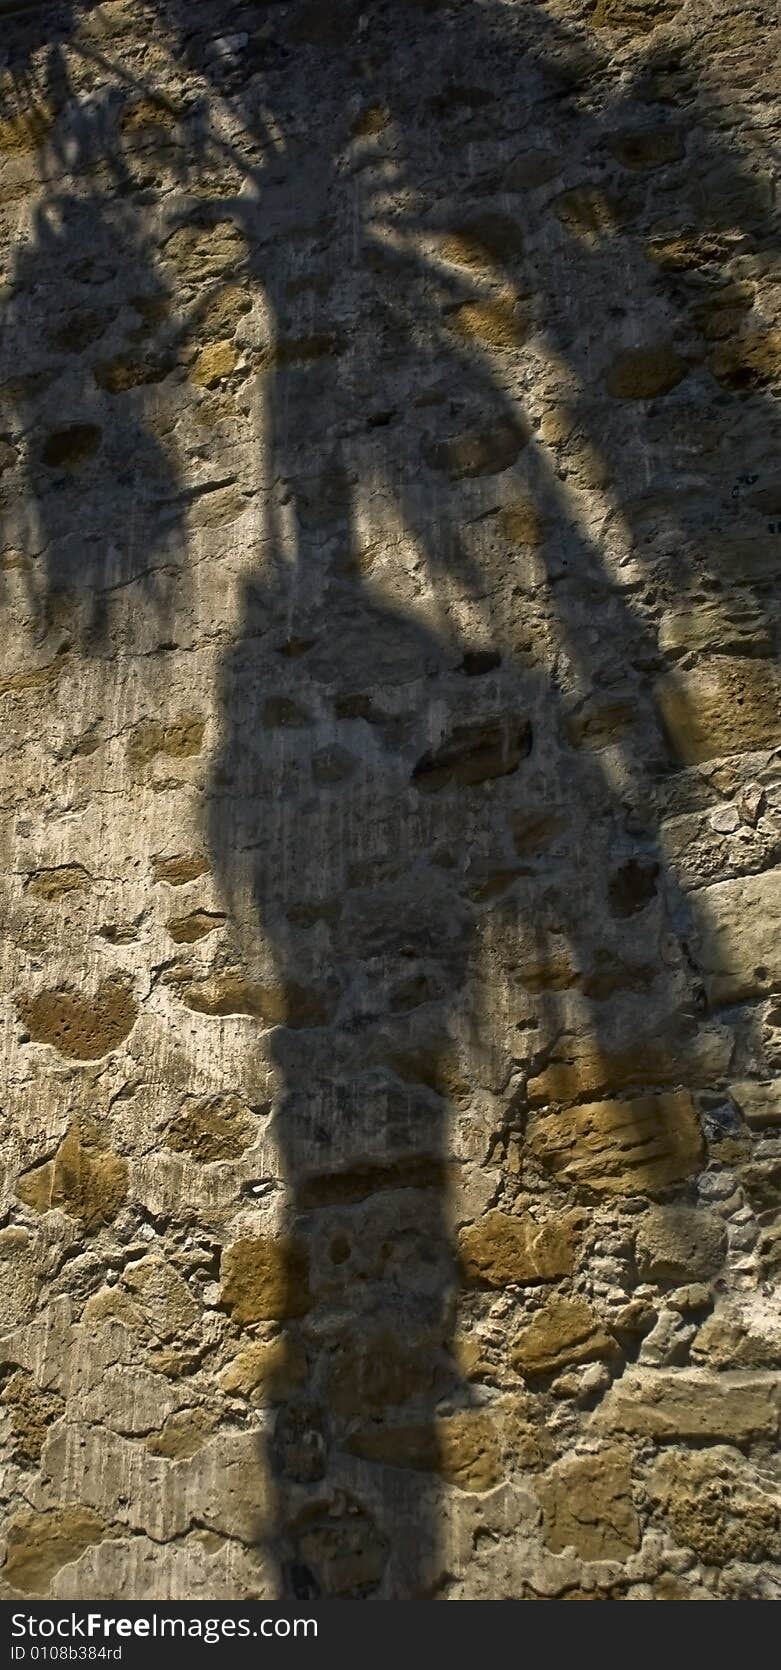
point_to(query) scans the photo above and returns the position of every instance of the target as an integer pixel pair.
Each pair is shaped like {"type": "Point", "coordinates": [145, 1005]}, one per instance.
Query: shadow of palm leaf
{"type": "Point", "coordinates": [96, 510]}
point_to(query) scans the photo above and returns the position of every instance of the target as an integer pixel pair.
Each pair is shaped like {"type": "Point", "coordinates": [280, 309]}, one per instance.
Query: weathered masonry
{"type": "Point", "coordinates": [390, 536]}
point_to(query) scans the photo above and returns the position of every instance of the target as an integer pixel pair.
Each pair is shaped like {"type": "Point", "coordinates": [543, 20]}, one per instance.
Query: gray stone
{"type": "Point", "coordinates": [679, 1244]}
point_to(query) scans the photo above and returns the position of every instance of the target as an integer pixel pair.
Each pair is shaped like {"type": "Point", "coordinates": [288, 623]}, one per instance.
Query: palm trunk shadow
{"type": "Point", "coordinates": [356, 940]}
{"type": "Point", "coordinates": [382, 810]}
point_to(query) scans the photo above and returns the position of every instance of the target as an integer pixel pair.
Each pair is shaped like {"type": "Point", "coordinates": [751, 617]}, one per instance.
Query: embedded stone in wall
{"type": "Point", "coordinates": [31, 1409]}
{"type": "Point", "coordinates": [129, 1400]}
{"type": "Point", "coordinates": [717, 1504]}
{"type": "Point", "coordinates": [500, 1249]}
{"type": "Point", "coordinates": [564, 1331]}
{"type": "Point", "coordinates": [199, 252]}
{"type": "Point", "coordinates": [620, 1147]}
{"type": "Point", "coordinates": [34, 677]}
{"type": "Point", "coordinates": [722, 316]}
{"type": "Point", "coordinates": [215, 361]}
{"type": "Point", "coordinates": [761, 1181]}
{"type": "Point", "coordinates": [380, 1368]}
{"type": "Point", "coordinates": [40, 1543]}
{"type": "Point", "coordinates": [265, 1278]}
{"type": "Point", "coordinates": [341, 1553]}
{"type": "Point", "coordinates": [195, 925]}
{"type": "Point", "coordinates": [300, 1444]}
{"type": "Point", "coordinates": [233, 994]}
{"type": "Point", "coordinates": [723, 706]}
{"type": "Point", "coordinates": [735, 627]}
{"type": "Point", "coordinates": [638, 17]}
{"type": "Point", "coordinates": [54, 882]}
{"type": "Point", "coordinates": [181, 739]}
{"type": "Point", "coordinates": [154, 1297]}
{"type": "Point", "coordinates": [78, 330]}
{"type": "Point", "coordinates": [71, 448]}
{"type": "Point", "coordinates": [182, 1434]}
{"type": "Point", "coordinates": [463, 1448]}
{"type": "Point", "coordinates": [371, 121]}
{"type": "Point", "coordinates": [769, 1252]}
{"type": "Point", "coordinates": [693, 1404]}
{"type": "Point", "coordinates": [679, 1244]}
{"type": "Point", "coordinates": [645, 373]}
{"type": "Point", "coordinates": [26, 131]}
{"type": "Point", "coordinates": [268, 1371]}
{"type": "Point", "coordinates": [759, 1101]}
{"type": "Point", "coordinates": [739, 937]}
{"type": "Point", "coordinates": [735, 1336]}
{"type": "Point", "coordinates": [85, 1179]}
{"type": "Point", "coordinates": [632, 887]}
{"type": "Point", "coordinates": [700, 1055]}
{"type": "Point", "coordinates": [180, 868]}
{"type": "Point", "coordinates": [478, 452]}
{"type": "Point", "coordinates": [78, 1025]}
{"type": "Point", "coordinates": [19, 1279]}
{"type": "Point", "coordinates": [148, 119]}
{"type": "Point", "coordinates": [120, 375]}
{"type": "Point", "coordinates": [587, 1505]}
{"type": "Point", "coordinates": [746, 362]}
{"type": "Point", "coordinates": [474, 753]}
{"type": "Point", "coordinates": [217, 1128]}
{"type": "Point", "coordinates": [522, 521]}
{"type": "Point", "coordinates": [496, 324]}
{"type": "Point", "coordinates": [601, 722]}
{"type": "Point", "coordinates": [227, 306]}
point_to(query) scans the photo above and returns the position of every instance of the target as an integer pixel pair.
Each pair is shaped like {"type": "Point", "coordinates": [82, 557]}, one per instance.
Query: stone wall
{"type": "Point", "coordinates": [390, 528]}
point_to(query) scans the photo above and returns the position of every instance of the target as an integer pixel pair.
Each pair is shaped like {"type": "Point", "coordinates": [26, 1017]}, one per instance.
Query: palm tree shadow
{"type": "Point", "coordinates": [328, 797]}
{"type": "Point", "coordinates": [395, 782]}
{"type": "Point", "coordinates": [351, 803]}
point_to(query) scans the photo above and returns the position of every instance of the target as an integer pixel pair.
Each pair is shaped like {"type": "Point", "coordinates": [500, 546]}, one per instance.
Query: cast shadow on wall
{"type": "Point", "coordinates": [99, 523]}
{"type": "Point", "coordinates": [385, 871]}
{"type": "Point", "coordinates": [398, 786]}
